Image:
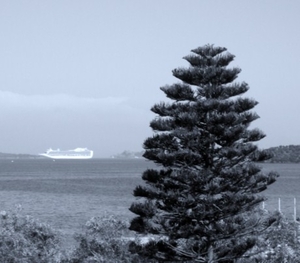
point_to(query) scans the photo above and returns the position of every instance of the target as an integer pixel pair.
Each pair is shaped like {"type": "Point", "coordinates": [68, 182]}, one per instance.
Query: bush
{"type": "Point", "coordinates": [282, 241]}
{"type": "Point", "coordinates": [24, 239]}
{"type": "Point", "coordinates": [279, 244]}
{"type": "Point", "coordinates": [106, 239]}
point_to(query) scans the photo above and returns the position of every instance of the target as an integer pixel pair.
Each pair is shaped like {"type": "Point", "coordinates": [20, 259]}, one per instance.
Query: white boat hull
{"type": "Point", "coordinates": [76, 154]}
{"type": "Point", "coordinates": [66, 157]}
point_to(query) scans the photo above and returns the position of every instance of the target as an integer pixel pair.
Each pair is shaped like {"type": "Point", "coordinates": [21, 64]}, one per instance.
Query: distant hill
{"type": "Point", "coordinates": [128, 155]}
{"type": "Point", "coordinates": [285, 154]}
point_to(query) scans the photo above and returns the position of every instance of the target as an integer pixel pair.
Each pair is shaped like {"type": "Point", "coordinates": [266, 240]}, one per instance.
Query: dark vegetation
{"type": "Point", "coordinates": [285, 154]}
{"type": "Point", "coordinates": [107, 239]}
{"type": "Point", "coordinates": [202, 201]}
{"type": "Point", "coordinates": [26, 240]}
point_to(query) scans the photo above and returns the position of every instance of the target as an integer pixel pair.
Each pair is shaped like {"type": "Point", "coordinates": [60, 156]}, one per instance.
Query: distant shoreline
{"type": "Point", "coordinates": [281, 154]}
{"type": "Point", "coordinates": [19, 156]}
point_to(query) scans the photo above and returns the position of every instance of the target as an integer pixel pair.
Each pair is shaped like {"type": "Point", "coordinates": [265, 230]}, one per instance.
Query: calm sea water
{"type": "Point", "coordinates": [67, 193]}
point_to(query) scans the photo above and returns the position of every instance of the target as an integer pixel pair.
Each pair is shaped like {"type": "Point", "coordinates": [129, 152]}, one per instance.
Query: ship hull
{"type": "Point", "coordinates": [67, 157]}
{"type": "Point", "coordinates": [76, 154]}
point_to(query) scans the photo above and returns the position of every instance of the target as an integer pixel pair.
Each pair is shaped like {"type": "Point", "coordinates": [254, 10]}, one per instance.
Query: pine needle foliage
{"type": "Point", "coordinates": [201, 199]}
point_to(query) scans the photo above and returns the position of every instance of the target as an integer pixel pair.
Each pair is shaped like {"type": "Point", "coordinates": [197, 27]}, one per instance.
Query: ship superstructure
{"type": "Point", "coordinates": [78, 153]}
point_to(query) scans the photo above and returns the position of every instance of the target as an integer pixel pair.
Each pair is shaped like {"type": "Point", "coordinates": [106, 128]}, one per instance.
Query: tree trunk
{"type": "Point", "coordinates": [211, 254]}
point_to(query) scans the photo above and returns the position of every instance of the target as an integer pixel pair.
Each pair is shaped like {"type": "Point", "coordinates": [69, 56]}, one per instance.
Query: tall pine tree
{"type": "Point", "coordinates": [201, 199]}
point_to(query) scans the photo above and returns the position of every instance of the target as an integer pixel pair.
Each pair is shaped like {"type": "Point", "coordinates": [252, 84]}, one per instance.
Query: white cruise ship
{"type": "Point", "coordinates": [78, 153]}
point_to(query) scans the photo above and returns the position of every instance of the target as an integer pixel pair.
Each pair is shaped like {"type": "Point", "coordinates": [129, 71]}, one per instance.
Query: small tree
{"type": "Point", "coordinates": [201, 201]}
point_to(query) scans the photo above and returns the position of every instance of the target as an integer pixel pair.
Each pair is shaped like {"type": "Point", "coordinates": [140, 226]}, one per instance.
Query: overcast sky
{"type": "Point", "coordinates": [86, 73]}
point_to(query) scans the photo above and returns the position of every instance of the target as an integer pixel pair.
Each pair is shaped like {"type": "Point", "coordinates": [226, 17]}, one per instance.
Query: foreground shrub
{"type": "Point", "coordinates": [279, 244]}
{"type": "Point", "coordinates": [105, 239]}
{"type": "Point", "coordinates": [24, 239]}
